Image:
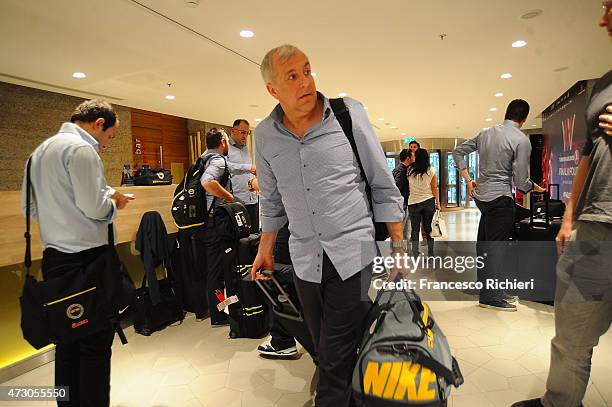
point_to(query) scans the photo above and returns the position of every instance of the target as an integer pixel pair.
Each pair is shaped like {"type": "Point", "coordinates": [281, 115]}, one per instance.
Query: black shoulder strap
{"type": "Point", "coordinates": [344, 118]}
{"type": "Point", "coordinates": [27, 261]}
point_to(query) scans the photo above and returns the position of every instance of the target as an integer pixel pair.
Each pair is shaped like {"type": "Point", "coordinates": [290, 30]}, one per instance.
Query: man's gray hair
{"type": "Point", "coordinates": [284, 52]}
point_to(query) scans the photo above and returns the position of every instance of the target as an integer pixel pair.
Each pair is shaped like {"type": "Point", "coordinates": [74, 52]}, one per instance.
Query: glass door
{"type": "Point", "coordinates": [451, 182]}
{"type": "Point", "coordinates": [434, 161]}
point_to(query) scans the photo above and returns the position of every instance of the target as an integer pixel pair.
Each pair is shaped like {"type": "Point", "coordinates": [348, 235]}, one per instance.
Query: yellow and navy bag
{"type": "Point", "coordinates": [404, 359]}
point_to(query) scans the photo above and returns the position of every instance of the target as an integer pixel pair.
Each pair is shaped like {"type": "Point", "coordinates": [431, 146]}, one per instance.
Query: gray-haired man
{"type": "Point", "coordinates": [309, 176]}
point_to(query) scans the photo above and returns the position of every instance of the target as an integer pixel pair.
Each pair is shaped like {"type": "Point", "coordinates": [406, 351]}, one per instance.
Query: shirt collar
{"type": "Point", "coordinates": [511, 123]}
{"type": "Point", "coordinates": [278, 113]}
{"type": "Point", "coordinates": [212, 150]}
{"type": "Point", "coordinates": [77, 131]}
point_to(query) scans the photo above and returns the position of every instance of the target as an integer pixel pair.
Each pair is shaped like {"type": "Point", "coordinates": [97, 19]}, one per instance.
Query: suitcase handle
{"type": "Point", "coordinates": [546, 195]}
{"type": "Point", "coordinates": [275, 305]}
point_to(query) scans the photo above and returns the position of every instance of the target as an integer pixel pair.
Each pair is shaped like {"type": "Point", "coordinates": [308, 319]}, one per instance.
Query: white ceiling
{"type": "Point", "coordinates": [386, 53]}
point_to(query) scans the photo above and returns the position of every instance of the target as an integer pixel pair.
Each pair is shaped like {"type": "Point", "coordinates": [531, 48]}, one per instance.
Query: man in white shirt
{"type": "Point", "coordinates": [73, 207]}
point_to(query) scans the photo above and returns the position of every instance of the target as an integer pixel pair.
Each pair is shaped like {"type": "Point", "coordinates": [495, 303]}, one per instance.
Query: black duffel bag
{"type": "Point", "coordinates": [81, 301]}
{"type": "Point", "coordinates": [152, 176]}
{"type": "Point", "coordinates": [555, 208]}
{"type": "Point", "coordinates": [149, 317]}
{"type": "Point", "coordinates": [232, 221]}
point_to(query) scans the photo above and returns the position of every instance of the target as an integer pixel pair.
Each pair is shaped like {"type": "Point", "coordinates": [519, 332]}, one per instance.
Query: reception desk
{"type": "Point", "coordinates": [12, 222]}
{"type": "Point", "coordinates": [17, 356]}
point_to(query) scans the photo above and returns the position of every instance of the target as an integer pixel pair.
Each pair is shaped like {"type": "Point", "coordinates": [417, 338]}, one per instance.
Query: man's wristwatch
{"type": "Point", "coordinates": [399, 245]}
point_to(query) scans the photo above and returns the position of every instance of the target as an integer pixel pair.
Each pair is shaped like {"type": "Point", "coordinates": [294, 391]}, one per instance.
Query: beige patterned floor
{"type": "Point", "coordinates": [504, 358]}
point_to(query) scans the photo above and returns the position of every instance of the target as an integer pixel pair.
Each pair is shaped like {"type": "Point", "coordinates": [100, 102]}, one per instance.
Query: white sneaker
{"type": "Point", "coordinates": [267, 349]}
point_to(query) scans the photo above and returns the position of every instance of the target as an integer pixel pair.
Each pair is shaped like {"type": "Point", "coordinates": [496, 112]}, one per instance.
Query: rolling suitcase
{"type": "Point", "coordinates": [249, 317]}
{"type": "Point", "coordinates": [280, 291]}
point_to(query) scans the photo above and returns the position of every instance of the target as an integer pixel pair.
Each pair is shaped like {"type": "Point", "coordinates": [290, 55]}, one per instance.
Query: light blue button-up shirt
{"type": "Point", "coordinates": [315, 183]}
{"type": "Point", "coordinates": [505, 153]}
{"type": "Point", "coordinates": [213, 171]}
{"type": "Point", "coordinates": [239, 165]}
{"type": "Point", "coordinates": [70, 200]}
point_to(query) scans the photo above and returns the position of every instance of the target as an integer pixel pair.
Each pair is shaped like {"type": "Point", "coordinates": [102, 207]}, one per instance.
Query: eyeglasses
{"type": "Point", "coordinates": [242, 132]}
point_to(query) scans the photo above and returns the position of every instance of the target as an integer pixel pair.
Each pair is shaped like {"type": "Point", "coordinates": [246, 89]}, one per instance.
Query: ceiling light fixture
{"type": "Point", "coordinates": [506, 75]}
{"type": "Point", "coordinates": [493, 109]}
{"type": "Point", "coordinates": [246, 34]}
{"type": "Point", "coordinates": [488, 119]}
{"type": "Point", "coordinates": [403, 134]}
{"type": "Point", "coordinates": [257, 120]}
{"type": "Point", "coordinates": [170, 97]}
{"type": "Point", "coordinates": [342, 94]}
{"type": "Point", "coordinates": [365, 108]}
{"type": "Point", "coordinates": [519, 44]}
{"type": "Point", "coordinates": [394, 127]}
{"type": "Point", "coordinates": [531, 14]}
{"type": "Point", "coordinates": [498, 95]}
{"type": "Point", "coordinates": [79, 75]}
{"type": "Point", "coordinates": [380, 119]}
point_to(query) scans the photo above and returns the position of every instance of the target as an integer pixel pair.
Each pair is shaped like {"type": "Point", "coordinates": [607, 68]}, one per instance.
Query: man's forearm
{"type": "Point", "coordinates": [581, 175]}
{"type": "Point", "coordinates": [465, 174]}
{"type": "Point", "coordinates": [267, 242]}
{"type": "Point", "coordinates": [215, 189]}
{"type": "Point", "coordinates": [396, 230]}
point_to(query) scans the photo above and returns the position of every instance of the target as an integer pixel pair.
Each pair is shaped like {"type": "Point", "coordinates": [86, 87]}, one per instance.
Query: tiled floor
{"type": "Point", "coordinates": [504, 358]}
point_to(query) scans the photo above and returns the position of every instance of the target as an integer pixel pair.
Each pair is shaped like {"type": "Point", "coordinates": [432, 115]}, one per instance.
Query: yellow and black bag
{"type": "Point", "coordinates": [404, 359]}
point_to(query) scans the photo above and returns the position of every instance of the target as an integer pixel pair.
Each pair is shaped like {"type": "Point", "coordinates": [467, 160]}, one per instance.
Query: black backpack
{"type": "Point", "coordinates": [189, 202]}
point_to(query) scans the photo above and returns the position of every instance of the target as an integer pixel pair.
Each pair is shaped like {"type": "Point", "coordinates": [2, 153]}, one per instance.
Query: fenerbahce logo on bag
{"type": "Point", "coordinates": [76, 311]}
{"type": "Point", "coordinates": [398, 380]}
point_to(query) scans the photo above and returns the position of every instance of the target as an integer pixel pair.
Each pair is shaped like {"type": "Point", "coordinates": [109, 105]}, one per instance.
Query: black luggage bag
{"type": "Point", "coordinates": [189, 267]}
{"type": "Point", "coordinates": [249, 317]}
{"type": "Point", "coordinates": [556, 207]}
{"type": "Point", "coordinates": [149, 317]}
{"type": "Point", "coordinates": [280, 291]}
{"type": "Point", "coordinates": [535, 255]}
{"type": "Point", "coordinates": [152, 176]}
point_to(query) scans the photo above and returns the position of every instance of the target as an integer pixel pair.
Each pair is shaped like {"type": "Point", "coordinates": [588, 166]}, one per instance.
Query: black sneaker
{"type": "Point", "coordinates": [498, 305]}
{"type": "Point", "coordinates": [266, 349]}
{"type": "Point", "coordinates": [528, 403]}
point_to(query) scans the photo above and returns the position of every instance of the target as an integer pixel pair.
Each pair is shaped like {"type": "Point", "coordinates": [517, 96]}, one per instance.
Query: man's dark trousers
{"type": "Point", "coordinates": [84, 366]}
{"type": "Point", "coordinates": [334, 311]}
{"type": "Point", "coordinates": [496, 222]}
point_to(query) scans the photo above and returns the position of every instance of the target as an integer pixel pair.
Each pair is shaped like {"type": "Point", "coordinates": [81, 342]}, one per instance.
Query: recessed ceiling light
{"type": "Point", "coordinates": [342, 94]}
{"type": "Point", "coordinates": [170, 97]}
{"type": "Point", "coordinates": [313, 74]}
{"type": "Point", "coordinates": [257, 120]}
{"type": "Point", "coordinates": [246, 34]}
{"type": "Point", "coordinates": [493, 109]}
{"type": "Point", "coordinates": [365, 107]}
{"type": "Point", "coordinates": [394, 127]}
{"type": "Point", "coordinates": [534, 125]}
{"type": "Point", "coordinates": [519, 44]}
{"type": "Point", "coordinates": [381, 119]}
{"type": "Point", "coordinates": [403, 134]}
{"type": "Point", "coordinates": [79, 75]}
{"type": "Point", "coordinates": [506, 75]}
{"type": "Point", "coordinates": [531, 14]}
{"type": "Point", "coordinates": [488, 119]}
{"type": "Point", "coordinates": [498, 95]}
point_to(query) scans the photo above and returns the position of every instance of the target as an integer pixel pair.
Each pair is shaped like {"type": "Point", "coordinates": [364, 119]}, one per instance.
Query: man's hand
{"type": "Point", "coordinates": [229, 198]}
{"type": "Point", "coordinates": [253, 170]}
{"type": "Point", "coordinates": [471, 186]}
{"type": "Point", "coordinates": [254, 185]}
{"type": "Point", "coordinates": [121, 200]}
{"type": "Point", "coordinates": [563, 236]}
{"type": "Point", "coordinates": [605, 121]}
{"type": "Point", "coordinates": [538, 188]}
{"type": "Point", "coordinates": [263, 261]}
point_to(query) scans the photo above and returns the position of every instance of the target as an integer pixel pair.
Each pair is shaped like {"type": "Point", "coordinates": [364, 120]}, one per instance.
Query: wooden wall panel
{"type": "Point", "coordinates": [155, 130]}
